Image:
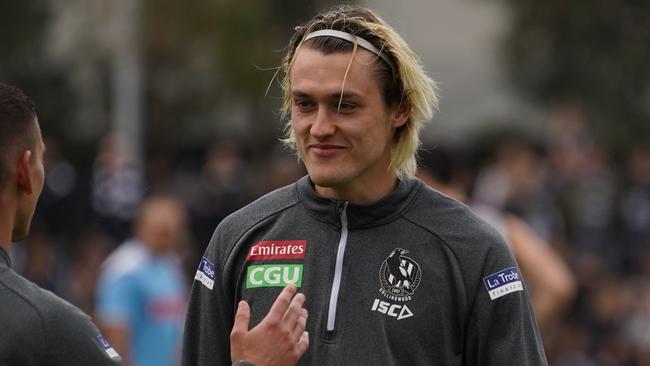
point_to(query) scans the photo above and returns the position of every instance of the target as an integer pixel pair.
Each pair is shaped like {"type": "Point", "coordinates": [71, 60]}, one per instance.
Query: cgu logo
{"type": "Point", "coordinates": [274, 275]}
{"type": "Point", "coordinates": [393, 310]}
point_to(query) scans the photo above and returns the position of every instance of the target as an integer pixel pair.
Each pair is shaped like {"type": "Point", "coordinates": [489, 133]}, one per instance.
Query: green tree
{"type": "Point", "coordinates": [24, 63]}
{"type": "Point", "coordinates": [593, 52]}
{"type": "Point", "coordinates": [209, 61]}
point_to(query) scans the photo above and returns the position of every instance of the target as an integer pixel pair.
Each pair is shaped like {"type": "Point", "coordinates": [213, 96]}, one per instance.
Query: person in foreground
{"type": "Point", "coordinates": [37, 327]}
{"type": "Point", "coordinates": [395, 272]}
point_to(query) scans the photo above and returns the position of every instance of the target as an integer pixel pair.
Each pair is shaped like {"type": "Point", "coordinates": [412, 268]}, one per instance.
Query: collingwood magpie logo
{"type": "Point", "coordinates": [399, 276]}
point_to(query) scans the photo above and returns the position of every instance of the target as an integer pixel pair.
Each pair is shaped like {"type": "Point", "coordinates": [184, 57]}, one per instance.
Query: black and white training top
{"type": "Point", "coordinates": [37, 328]}
{"type": "Point", "coordinates": [414, 279]}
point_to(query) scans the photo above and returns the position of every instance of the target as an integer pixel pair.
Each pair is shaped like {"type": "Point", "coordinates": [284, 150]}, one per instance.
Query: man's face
{"type": "Point", "coordinates": [162, 226]}
{"type": "Point", "coordinates": [27, 202]}
{"type": "Point", "coordinates": [343, 128]}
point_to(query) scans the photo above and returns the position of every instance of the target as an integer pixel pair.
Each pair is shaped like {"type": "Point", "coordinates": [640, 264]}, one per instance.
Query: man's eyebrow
{"type": "Point", "coordinates": [299, 94]}
{"type": "Point", "coordinates": [345, 95]}
{"type": "Point", "coordinates": [337, 96]}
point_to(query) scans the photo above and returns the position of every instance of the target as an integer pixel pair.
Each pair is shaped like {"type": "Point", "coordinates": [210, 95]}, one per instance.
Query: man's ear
{"type": "Point", "coordinates": [402, 114]}
{"type": "Point", "coordinates": [24, 176]}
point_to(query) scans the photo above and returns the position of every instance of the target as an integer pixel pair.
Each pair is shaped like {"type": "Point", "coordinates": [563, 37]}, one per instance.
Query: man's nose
{"type": "Point", "coordinates": [323, 124]}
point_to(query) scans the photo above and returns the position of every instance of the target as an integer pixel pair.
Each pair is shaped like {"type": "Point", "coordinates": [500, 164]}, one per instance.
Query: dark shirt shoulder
{"type": "Point", "coordinates": [478, 249]}
{"type": "Point", "coordinates": [39, 328]}
{"type": "Point", "coordinates": [22, 340]}
{"type": "Point", "coordinates": [453, 222]}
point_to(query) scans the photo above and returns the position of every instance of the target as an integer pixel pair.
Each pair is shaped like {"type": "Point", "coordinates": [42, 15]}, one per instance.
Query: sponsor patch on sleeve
{"type": "Point", "coordinates": [205, 273]}
{"type": "Point", "coordinates": [503, 282]}
{"type": "Point", "coordinates": [107, 347]}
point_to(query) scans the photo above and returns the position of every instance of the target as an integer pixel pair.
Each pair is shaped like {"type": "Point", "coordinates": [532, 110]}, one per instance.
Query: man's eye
{"type": "Point", "coordinates": [303, 104]}
{"type": "Point", "coordinates": [346, 107]}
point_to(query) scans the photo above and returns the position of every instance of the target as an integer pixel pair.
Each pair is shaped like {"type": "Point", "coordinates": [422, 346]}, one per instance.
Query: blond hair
{"type": "Point", "coordinates": [404, 82]}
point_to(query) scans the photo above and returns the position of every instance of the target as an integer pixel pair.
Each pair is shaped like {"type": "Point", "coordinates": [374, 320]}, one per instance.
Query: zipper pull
{"type": "Point", "coordinates": [341, 206]}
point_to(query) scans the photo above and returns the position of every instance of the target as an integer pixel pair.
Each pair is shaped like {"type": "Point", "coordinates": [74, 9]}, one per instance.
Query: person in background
{"type": "Point", "coordinates": [221, 189]}
{"type": "Point", "coordinates": [141, 292]}
{"type": "Point", "coordinates": [117, 187]}
{"type": "Point", "coordinates": [551, 282]}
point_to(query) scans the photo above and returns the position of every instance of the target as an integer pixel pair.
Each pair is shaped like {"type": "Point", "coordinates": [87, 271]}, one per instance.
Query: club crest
{"type": "Point", "coordinates": [399, 276]}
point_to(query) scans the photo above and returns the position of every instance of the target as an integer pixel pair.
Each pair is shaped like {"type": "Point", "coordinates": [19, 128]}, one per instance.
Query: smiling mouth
{"type": "Point", "coordinates": [325, 150]}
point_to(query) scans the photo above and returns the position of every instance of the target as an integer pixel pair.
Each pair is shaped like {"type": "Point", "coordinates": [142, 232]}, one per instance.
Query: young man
{"type": "Point", "coordinates": [38, 328]}
{"type": "Point", "coordinates": [395, 273]}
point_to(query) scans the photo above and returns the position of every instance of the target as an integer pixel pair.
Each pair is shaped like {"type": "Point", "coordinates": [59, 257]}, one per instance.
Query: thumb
{"type": "Point", "coordinates": [242, 318]}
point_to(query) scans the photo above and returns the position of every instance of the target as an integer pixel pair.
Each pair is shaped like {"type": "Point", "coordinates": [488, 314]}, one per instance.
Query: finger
{"type": "Point", "coordinates": [300, 326]}
{"type": "Point", "coordinates": [242, 318]}
{"type": "Point", "coordinates": [281, 304]}
{"type": "Point", "coordinates": [294, 311]}
{"type": "Point", "coordinates": [303, 344]}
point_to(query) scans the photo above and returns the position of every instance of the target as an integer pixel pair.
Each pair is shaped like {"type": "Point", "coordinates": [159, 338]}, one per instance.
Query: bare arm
{"type": "Point", "coordinates": [279, 340]}
{"type": "Point", "coordinates": [552, 283]}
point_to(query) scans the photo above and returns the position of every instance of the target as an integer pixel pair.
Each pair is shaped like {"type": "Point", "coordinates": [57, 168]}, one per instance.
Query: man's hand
{"type": "Point", "coordinates": [279, 340]}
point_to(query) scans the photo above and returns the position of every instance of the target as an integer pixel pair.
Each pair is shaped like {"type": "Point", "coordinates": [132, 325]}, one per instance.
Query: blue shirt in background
{"type": "Point", "coordinates": [146, 294]}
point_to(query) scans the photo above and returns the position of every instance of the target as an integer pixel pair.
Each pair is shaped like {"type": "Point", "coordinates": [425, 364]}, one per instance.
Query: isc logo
{"type": "Point", "coordinates": [274, 275]}
{"type": "Point", "coordinates": [394, 310]}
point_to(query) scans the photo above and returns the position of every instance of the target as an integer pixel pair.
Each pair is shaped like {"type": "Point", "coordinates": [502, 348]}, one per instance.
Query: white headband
{"type": "Point", "coordinates": [354, 39]}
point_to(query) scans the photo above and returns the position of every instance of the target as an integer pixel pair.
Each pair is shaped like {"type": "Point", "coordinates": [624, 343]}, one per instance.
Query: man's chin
{"type": "Point", "coordinates": [324, 180]}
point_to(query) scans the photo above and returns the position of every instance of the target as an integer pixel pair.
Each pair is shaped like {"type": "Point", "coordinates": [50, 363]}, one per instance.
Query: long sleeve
{"type": "Point", "coordinates": [74, 340]}
{"type": "Point", "coordinates": [209, 317]}
{"type": "Point", "coordinates": [39, 328]}
{"type": "Point", "coordinates": [502, 328]}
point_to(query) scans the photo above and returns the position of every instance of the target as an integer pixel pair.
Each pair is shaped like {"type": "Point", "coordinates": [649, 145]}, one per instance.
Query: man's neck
{"type": "Point", "coordinates": [5, 240]}
{"type": "Point", "coordinates": [6, 223]}
{"type": "Point", "coordinates": [359, 194]}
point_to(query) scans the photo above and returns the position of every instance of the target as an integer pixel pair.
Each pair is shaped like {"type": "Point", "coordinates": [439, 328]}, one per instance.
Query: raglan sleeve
{"type": "Point", "coordinates": [502, 329]}
{"type": "Point", "coordinates": [209, 319]}
{"type": "Point", "coordinates": [73, 339]}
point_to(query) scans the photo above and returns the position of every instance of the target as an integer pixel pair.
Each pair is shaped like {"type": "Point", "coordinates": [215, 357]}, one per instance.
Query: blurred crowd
{"type": "Point", "coordinates": [582, 203]}
{"type": "Point", "coordinates": [592, 209]}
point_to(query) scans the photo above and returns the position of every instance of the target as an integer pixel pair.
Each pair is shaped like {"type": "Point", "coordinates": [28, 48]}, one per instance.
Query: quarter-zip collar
{"type": "Point", "coordinates": [4, 258]}
{"type": "Point", "coordinates": [385, 210]}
